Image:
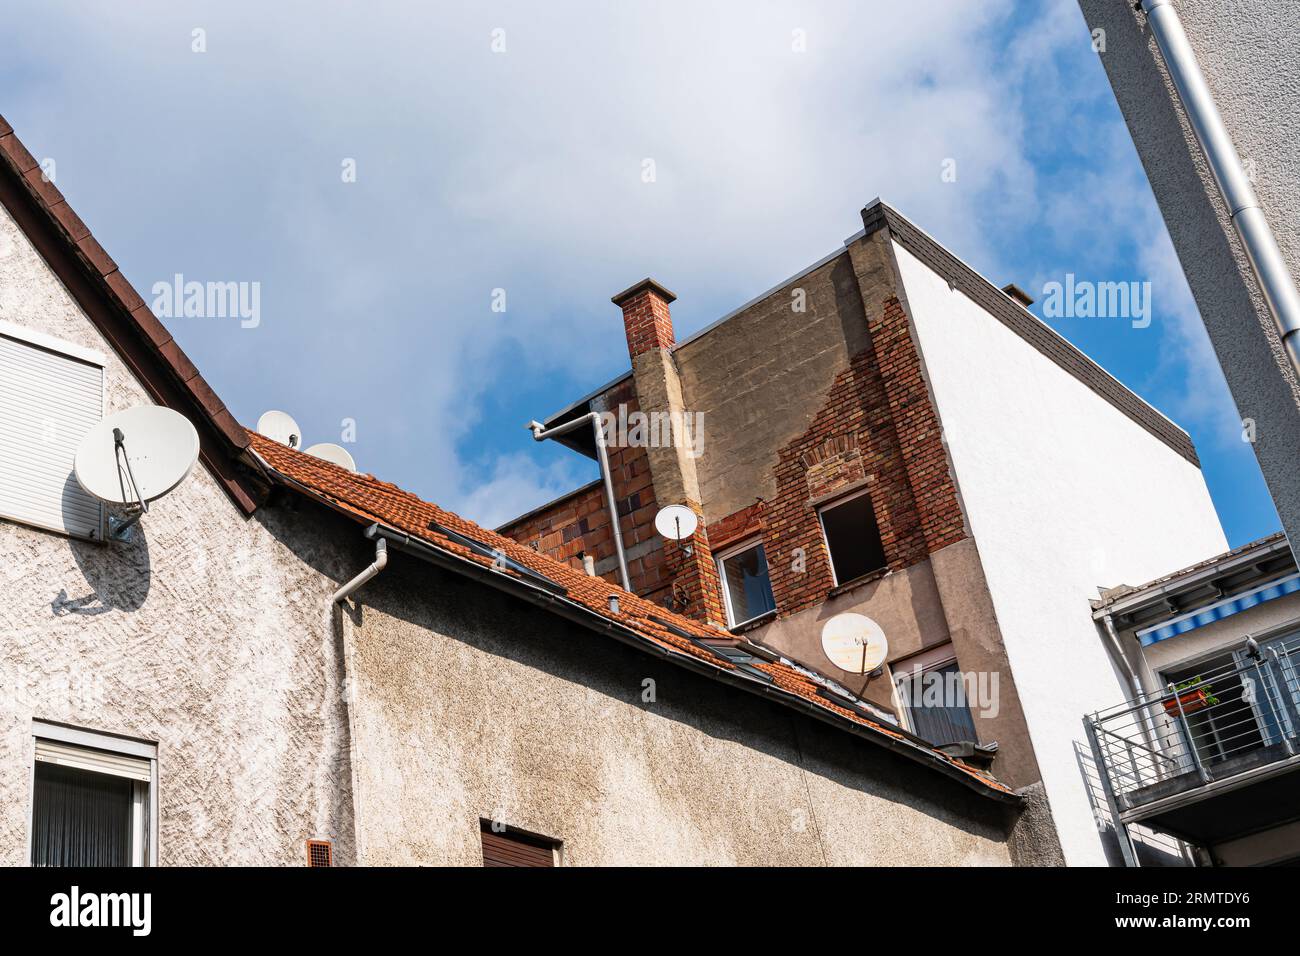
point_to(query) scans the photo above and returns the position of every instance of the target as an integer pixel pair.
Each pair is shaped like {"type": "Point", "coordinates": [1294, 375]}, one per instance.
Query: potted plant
{"type": "Point", "coordinates": [1192, 695]}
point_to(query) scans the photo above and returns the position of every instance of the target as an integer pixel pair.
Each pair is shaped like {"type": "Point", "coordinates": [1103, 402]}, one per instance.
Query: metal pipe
{"type": "Point", "coordinates": [541, 433]}
{"type": "Point", "coordinates": [1122, 836]}
{"type": "Point", "coordinates": [1266, 261]}
{"type": "Point", "coordinates": [380, 562]}
{"type": "Point", "coordinates": [1148, 730]}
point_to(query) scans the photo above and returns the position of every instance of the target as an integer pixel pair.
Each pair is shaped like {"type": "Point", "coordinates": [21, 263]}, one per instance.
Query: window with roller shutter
{"type": "Point", "coordinates": [511, 847]}
{"type": "Point", "coordinates": [51, 394]}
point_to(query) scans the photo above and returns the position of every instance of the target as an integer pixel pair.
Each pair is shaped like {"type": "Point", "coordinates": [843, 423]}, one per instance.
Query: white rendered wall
{"type": "Point", "coordinates": [1063, 493]}
{"type": "Point", "coordinates": [208, 634]}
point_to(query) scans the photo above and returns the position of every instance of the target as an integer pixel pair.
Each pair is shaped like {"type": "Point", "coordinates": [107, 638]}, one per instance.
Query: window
{"type": "Point", "coordinates": [506, 846]}
{"type": "Point", "coordinates": [852, 538]}
{"type": "Point", "coordinates": [932, 690]}
{"type": "Point", "coordinates": [746, 588]}
{"type": "Point", "coordinates": [51, 393]}
{"type": "Point", "coordinates": [91, 799]}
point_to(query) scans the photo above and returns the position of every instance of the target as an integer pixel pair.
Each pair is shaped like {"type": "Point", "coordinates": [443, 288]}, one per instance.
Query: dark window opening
{"type": "Point", "coordinates": [853, 538]}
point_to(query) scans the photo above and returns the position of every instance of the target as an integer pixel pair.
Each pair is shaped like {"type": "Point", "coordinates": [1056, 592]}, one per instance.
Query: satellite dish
{"type": "Point", "coordinates": [134, 457]}
{"type": "Point", "coordinates": [854, 643]}
{"type": "Point", "coordinates": [280, 426]}
{"type": "Point", "coordinates": [676, 522]}
{"type": "Point", "coordinates": [333, 453]}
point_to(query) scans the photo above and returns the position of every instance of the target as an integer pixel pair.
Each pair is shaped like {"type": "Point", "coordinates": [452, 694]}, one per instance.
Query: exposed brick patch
{"type": "Point", "coordinates": [797, 559]}
{"type": "Point", "coordinates": [917, 425]}
{"type": "Point", "coordinates": [836, 447]}
{"type": "Point", "coordinates": [878, 429]}
{"type": "Point", "coordinates": [745, 523]}
{"type": "Point", "coordinates": [835, 472]}
{"type": "Point", "coordinates": [696, 587]}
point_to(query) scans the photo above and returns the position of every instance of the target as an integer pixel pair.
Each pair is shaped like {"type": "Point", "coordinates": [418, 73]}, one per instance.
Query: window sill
{"type": "Point", "coordinates": [857, 582]}
{"type": "Point", "coordinates": [754, 623]}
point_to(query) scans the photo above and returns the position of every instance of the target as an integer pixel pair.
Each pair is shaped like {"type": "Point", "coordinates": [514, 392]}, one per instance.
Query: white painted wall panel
{"type": "Point", "coordinates": [48, 401]}
{"type": "Point", "coordinates": [1063, 494]}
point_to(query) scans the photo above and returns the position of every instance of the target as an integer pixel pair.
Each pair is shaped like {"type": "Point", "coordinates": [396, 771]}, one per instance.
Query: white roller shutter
{"type": "Point", "coordinates": [97, 761]}
{"type": "Point", "coordinates": [48, 401]}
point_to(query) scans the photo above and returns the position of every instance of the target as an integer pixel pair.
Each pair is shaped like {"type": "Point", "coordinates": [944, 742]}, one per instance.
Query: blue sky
{"type": "Point", "coordinates": [520, 169]}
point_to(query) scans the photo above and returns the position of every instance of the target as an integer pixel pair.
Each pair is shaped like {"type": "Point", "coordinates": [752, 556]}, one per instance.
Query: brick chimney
{"type": "Point", "coordinates": [646, 319]}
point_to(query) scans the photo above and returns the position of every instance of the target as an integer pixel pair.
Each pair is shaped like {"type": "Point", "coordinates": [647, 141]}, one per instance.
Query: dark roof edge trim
{"type": "Point", "coordinates": [1027, 325]}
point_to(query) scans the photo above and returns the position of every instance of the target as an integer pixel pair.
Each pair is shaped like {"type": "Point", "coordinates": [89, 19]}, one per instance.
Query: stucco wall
{"type": "Point", "coordinates": [1062, 492]}
{"type": "Point", "coordinates": [1250, 56]}
{"type": "Point", "coordinates": [471, 706]}
{"type": "Point", "coordinates": [206, 635]}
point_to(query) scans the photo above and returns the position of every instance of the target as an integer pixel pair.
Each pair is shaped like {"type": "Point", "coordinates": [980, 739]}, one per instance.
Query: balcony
{"type": "Point", "coordinates": [1213, 756]}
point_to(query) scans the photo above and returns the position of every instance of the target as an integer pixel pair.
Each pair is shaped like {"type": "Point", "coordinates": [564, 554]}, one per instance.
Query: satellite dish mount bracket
{"type": "Point", "coordinates": [119, 526]}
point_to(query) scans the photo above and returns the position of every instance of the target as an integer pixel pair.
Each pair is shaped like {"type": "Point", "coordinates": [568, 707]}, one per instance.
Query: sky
{"type": "Point", "coordinates": [388, 172]}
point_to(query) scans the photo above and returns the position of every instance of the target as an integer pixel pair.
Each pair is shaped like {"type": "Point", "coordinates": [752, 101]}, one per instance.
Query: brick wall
{"type": "Point", "coordinates": [915, 421]}
{"type": "Point", "coordinates": [579, 525]}
{"type": "Point", "coordinates": [876, 430]}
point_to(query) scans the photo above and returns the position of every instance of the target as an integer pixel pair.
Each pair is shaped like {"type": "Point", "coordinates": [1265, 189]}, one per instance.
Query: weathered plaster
{"type": "Point", "coordinates": [468, 705]}
{"type": "Point", "coordinates": [760, 379]}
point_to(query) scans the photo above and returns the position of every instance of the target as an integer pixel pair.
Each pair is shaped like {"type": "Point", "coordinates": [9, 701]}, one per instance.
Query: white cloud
{"type": "Point", "coordinates": [518, 170]}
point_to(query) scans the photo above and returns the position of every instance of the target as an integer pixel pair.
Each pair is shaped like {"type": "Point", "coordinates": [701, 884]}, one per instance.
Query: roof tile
{"type": "Point", "coordinates": [95, 254]}
{"type": "Point", "coordinates": [66, 217]}
{"type": "Point", "coordinates": [13, 149]}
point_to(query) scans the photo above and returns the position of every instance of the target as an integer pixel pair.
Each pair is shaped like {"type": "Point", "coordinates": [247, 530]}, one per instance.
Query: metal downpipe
{"type": "Point", "coordinates": [541, 433]}
{"type": "Point", "coordinates": [1266, 261]}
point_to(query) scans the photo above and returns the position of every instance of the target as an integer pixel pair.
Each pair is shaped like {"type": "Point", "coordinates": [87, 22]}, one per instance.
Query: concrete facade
{"type": "Point", "coordinates": [1251, 61]}
{"type": "Point", "coordinates": [1051, 525]}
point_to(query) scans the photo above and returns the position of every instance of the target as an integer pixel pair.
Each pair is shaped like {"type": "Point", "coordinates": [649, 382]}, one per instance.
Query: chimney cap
{"type": "Point", "coordinates": [646, 283]}
{"type": "Point", "coordinates": [1020, 295]}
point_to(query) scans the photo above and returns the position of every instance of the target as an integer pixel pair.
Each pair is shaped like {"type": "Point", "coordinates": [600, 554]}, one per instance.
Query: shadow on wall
{"type": "Point", "coordinates": [510, 629]}
{"type": "Point", "coordinates": [117, 573]}
{"type": "Point", "coordinates": [1153, 849]}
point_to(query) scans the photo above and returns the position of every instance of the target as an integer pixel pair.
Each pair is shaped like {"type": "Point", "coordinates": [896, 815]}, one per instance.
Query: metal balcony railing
{"type": "Point", "coordinates": [1236, 716]}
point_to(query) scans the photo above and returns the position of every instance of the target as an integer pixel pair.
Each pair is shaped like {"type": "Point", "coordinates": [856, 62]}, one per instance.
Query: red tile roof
{"type": "Point", "coordinates": [370, 500]}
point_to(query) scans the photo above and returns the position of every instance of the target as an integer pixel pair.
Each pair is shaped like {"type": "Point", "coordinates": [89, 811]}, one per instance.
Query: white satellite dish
{"type": "Point", "coordinates": [676, 522]}
{"type": "Point", "coordinates": [854, 643]}
{"type": "Point", "coordinates": [280, 426]}
{"type": "Point", "coordinates": [333, 453]}
{"type": "Point", "coordinates": [134, 457]}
